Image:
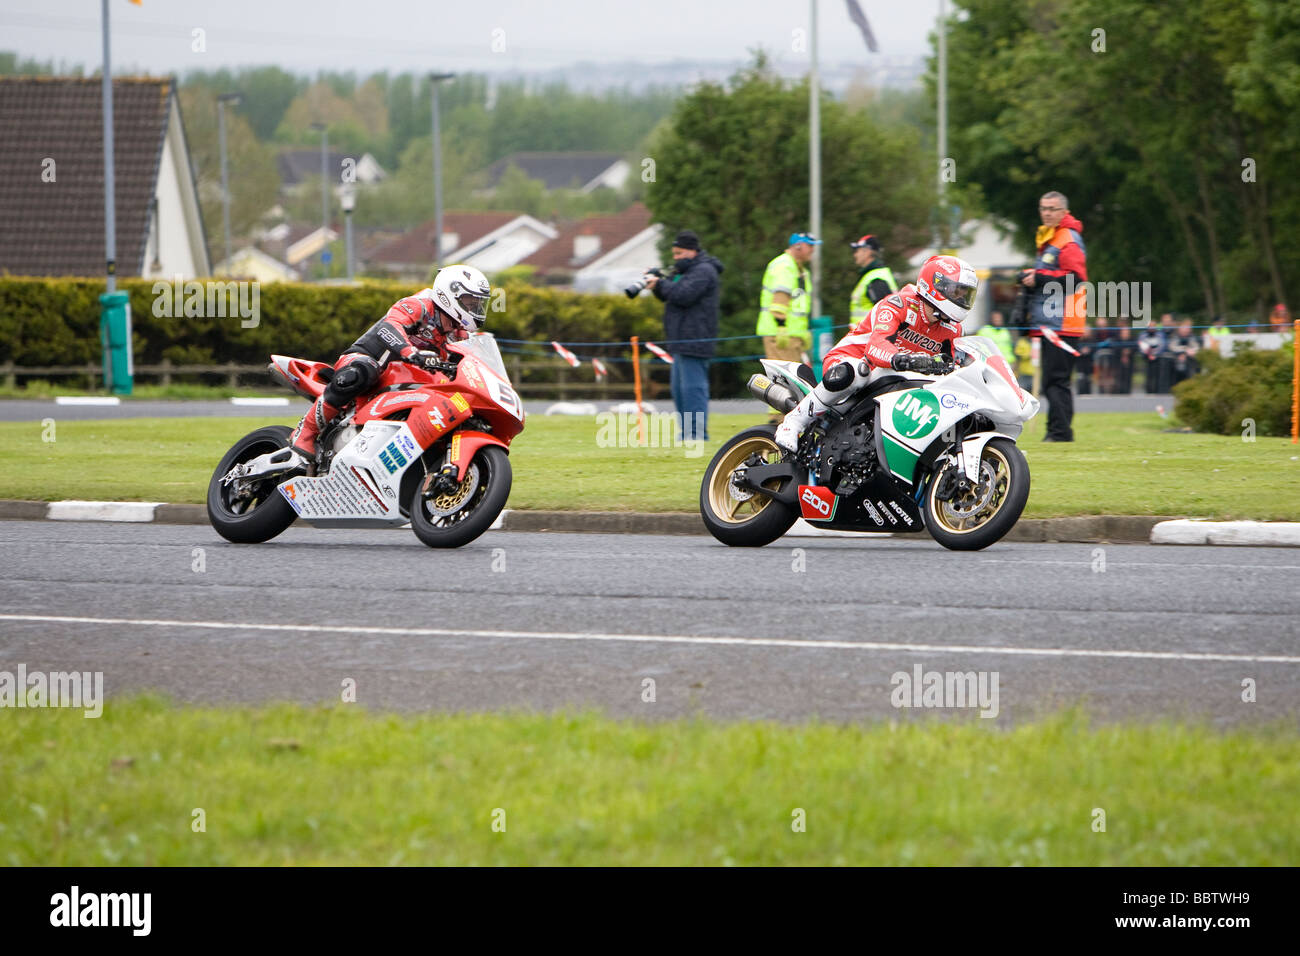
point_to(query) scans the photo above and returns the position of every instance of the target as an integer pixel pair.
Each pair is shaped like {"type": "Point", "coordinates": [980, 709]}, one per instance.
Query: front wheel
{"type": "Point", "coordinates": [981, 516]}
{"type": "Point", "coordinates": [452, 519]}
{"type": "Point", "coordinates": [253, 511]}
{"type": "Point", "coordinates": [738, 516]}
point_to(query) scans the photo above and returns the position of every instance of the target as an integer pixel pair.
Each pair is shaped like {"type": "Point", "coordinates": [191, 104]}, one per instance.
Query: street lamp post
{"type": "Point", "coordinates": [222, 100]}
{"type": "Point", "coordinates": [348, 200]}
{"type": "Point", "coordinates": [324, 174]}
{"type": "Point", "coordinates": [815, 162]}
{"type": "Point", "coordinates": [434, 80]}
{"type": "Point", "coordinates": [110, 211]}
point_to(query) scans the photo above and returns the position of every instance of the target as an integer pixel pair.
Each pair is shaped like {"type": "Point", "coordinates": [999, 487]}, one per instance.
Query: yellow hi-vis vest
{"type": "Point", "coordinates": [785, 275]}
{"type": "Point", "coordinates": [859, 305]}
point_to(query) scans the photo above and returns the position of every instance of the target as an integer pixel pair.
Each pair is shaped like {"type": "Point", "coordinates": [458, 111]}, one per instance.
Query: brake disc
{"type": "Point", "coordinates": [450, 502]}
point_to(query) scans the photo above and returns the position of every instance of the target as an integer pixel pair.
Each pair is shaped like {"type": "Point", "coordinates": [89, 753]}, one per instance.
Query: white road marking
{"type": "Point", "coordinates": [259, 401]}
{"type": "Point", "coordinates": [666, 639]}
{"type": "Point", "coordinates": [1082, 561]}
{"type": "Point", "coordinates": [87, 400]}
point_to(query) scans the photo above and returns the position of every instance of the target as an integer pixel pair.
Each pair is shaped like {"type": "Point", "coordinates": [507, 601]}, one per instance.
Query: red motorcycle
{"type": "Point", "coordinates": [429, 447]}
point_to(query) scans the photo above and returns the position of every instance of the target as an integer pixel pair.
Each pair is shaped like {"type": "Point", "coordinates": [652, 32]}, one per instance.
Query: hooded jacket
{"type": "Point", "coordinates": [1058, 301]}
{"type": "Point", "coordinates": [690, 299]}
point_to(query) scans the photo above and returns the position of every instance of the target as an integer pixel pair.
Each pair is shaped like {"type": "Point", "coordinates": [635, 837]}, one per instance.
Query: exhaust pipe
{"type": "Point", "coordinates": [778, 396]}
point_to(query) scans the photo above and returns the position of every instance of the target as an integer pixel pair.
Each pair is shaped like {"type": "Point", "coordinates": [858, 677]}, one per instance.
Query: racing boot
{"type": "Point", "coordinates": [799, 418]}
{"type": "Point", "coordinates": [302, 443]}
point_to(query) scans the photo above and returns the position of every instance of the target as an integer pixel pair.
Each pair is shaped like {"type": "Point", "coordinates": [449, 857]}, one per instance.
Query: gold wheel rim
{"type": "Point", "coordinates": [995, 469]}
{"type": "Point", "coordinates": [726, 507]}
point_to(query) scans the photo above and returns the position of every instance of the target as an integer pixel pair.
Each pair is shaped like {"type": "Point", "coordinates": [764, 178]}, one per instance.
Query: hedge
{"type": "Point", "coordinates": [1250, 384]}
{"type": "Point", "coordinates": [56, 321]}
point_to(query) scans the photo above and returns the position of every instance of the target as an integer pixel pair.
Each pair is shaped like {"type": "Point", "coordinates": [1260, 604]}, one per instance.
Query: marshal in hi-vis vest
{"type": "Point", "coordinates": [859, 303]}
{"type": "Point", "coordinates": [785, 275]}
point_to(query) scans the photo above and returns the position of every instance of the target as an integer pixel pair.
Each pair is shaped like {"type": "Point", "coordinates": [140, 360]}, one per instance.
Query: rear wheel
{"type": "Point", "coordinates": [249, 512]}
{"type": "Point", "coordinates": [738, 516]}
{"type": "Point", "coordinates": [451, 520]}
{"type": "Point", "coordinates": [981, 516]}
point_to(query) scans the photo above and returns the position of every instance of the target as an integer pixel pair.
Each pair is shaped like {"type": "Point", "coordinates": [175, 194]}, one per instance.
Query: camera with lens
{"type": "Point", "coordinates": [635, 288]}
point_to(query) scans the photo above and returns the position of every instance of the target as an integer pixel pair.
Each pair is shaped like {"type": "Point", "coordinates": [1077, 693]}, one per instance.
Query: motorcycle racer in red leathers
{"type": "Point", "coordinates": [416, 330]}
{"type": "Point", "coordinates": [910, 330]}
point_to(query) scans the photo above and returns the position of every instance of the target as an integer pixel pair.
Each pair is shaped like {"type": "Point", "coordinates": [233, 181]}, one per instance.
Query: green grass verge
{"type": "Point", "coordinates": [1119, 464]}
{"type": "Point", "coordinates": [41, 390]}
{"type": "Point", "coordinates": [284, 784]}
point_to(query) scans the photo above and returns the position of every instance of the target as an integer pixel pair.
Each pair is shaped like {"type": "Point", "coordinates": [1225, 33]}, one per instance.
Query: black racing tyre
{"type": "Point", "coordinates": [982, 517]}
{"type": "Point", "coordinates": [264, 514]}
{"type": "Point", "coordinates": [736, 520]}
{"type": "Point", "coordinates": [449, 521]}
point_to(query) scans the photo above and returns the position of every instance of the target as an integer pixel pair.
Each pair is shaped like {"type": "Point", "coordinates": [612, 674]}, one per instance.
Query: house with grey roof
{"type": "Point", "coordinates": [582, 171]}
{"type": "Point", "coordinates": [52, 182]}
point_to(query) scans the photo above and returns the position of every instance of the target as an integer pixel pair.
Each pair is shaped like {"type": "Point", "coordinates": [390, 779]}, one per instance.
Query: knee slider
{"type": "Point", "coordinates": [839, 377]}
{"type": "Point", "coordinates": [350, 381]}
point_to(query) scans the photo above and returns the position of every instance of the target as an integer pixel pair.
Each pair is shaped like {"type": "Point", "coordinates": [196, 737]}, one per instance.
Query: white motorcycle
{"type": "Point", "coordinates": [904, 454]}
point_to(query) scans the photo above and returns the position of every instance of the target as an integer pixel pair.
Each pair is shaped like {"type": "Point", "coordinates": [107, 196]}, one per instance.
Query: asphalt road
{"type": "Point", "coordinates": [24, 410]}
{"type": "Point", "coordinates": [520, 620]}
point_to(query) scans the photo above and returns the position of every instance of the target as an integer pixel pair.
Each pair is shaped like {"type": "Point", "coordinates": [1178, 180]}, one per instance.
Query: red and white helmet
{"type": "Point", "coordinates": [949, 284]}
{"type": "Point", "coordinates": [461, 293]}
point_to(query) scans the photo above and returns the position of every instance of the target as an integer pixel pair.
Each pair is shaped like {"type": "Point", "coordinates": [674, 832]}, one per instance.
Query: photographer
{"type": "Point", "coordinates": [690, 296]}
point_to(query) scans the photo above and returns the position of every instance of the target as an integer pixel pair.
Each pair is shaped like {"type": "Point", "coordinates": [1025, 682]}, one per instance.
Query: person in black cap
{"type": "Point", "coordinates": [690, 296]}
{"type": "Point", "coordinates": [875, 281]}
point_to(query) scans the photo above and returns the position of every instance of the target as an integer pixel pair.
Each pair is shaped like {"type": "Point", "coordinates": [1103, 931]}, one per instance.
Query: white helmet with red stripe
{"type": "Point", "coordinates": [949, 284]}
{"type": "Point", "coordinates": [461, 292]}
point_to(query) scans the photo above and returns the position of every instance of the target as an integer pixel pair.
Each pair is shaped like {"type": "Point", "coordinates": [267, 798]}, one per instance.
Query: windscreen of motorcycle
{"type": "Point", "coordinates": [483, 346]}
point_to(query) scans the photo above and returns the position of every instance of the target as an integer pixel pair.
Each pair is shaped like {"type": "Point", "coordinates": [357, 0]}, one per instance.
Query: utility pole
{"type": "Point", "coordinates": [324, 174]}
{"type": "Point", "coordinates": [944, 237]}
{"type": "Point", "coordinates": [110, 209]}
{"type": "Point", "coordinates": [815, 163]}
{"type": "Point", "coordinates": [222, 100]}
{"type": "Point", "coordinates": [434, 80]}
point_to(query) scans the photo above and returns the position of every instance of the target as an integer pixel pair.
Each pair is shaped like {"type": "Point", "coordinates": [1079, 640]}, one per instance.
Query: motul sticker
{"type": "Point", "coordinates": [460, 401]}
{"type": "Point", "coordinates": [901, 513]}
{"type": "Point", "coordinates": [817, 503]}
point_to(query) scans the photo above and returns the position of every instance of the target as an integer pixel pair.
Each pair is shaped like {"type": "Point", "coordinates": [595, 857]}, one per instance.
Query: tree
{"type": "Point", "coordinates": [1145, 116]}
{"type": "Point", "coordinates": [253, 177]}
{"type": "Point", "coordinates": [733, 166]}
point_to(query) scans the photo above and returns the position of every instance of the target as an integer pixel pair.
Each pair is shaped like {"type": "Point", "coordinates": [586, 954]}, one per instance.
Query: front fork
{"type": "Point", "coordinates": [951, 468]}
{"type": "Point", "coordinates": [444, 481]}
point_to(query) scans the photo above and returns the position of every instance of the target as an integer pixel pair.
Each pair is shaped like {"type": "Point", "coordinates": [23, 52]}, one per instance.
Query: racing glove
{"type": "Point", "coordinates": [428, 359]}
{"type": "Point", "coordinates": [919, 362]}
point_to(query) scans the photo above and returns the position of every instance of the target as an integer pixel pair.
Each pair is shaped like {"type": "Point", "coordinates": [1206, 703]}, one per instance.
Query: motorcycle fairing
{"type": "Point", "coordinates": [364, 480]}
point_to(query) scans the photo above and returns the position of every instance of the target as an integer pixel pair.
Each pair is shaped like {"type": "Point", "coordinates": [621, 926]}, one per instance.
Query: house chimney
{"type": "Point", "coordinates": [585, 246]}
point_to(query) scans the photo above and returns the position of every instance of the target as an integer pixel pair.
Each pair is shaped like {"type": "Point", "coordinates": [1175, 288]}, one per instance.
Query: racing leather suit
{"type": "Point", "coordinates": [896, 324]}
{"type": "Point", "coordinates": [410, 326]}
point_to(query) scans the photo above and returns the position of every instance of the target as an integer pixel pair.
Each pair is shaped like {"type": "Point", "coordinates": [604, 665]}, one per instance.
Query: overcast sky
{"type": "Point", "coordinates": [399, 35]}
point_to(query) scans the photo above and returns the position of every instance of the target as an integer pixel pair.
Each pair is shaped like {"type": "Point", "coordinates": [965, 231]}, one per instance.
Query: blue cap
{"type": "Point", "coordinates": [808, 237]}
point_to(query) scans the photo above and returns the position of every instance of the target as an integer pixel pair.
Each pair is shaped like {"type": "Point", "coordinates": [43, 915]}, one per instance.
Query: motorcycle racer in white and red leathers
{"type": "Point", "coordinates": [416, 330]}
{"type": "Point", "coordinates": [910, 330]}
